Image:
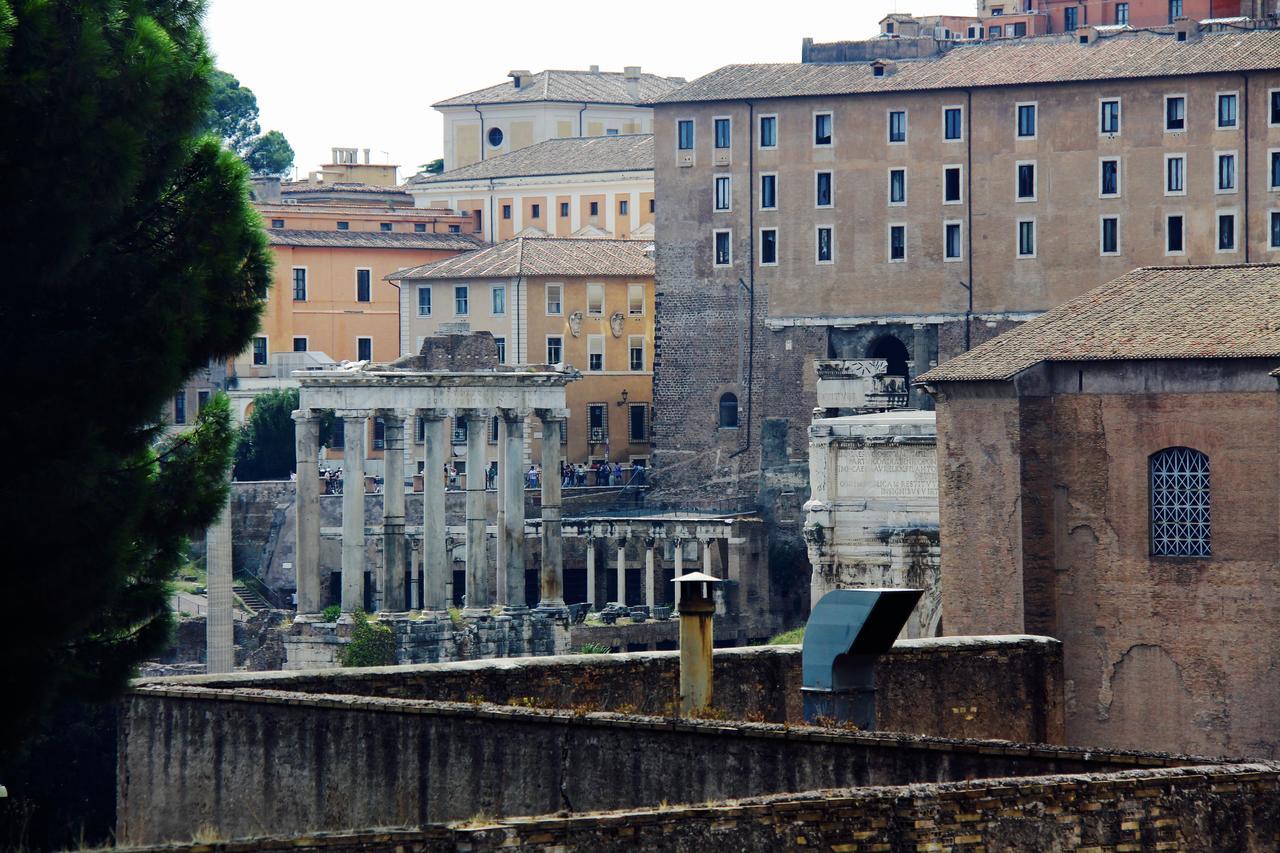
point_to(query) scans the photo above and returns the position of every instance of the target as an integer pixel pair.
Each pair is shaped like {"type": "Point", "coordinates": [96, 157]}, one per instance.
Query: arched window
{"type": "Point", "coordinates": [893, 351]}
{"type": "Point", "coordinates": [728, 411]}
{"type": "Point", "coordinates": [1179, 503]}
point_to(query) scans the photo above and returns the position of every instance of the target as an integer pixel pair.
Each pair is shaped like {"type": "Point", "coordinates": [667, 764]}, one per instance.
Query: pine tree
{"type": "Point", "coordinates": [131, 258]}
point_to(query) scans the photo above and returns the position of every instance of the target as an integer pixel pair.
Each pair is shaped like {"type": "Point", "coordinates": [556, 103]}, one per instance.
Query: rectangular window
{"type": "Point", "coordinates": [300, 344]}
{"type": "Point", "coordinates": [595, 208]}
{"type": "Point", "coordinates": [723, 132]}
{"type": "Point", "coordinates": [1226, 232]}
{"type": "Point", "coordinates": [1226, 110]}
{"type": "Point", "coordinates": [1275, 170]}
{"type": "Point", "coordinates": [259, 350]}
{"type": "Point", "coordinates": [595, 353]}
{"type": "Point", "coordinates": [461, 296]}
{"type": "Point", "coordinates": [822, 128]}
{"type": "Point", "coordinates": [1026, 182]}
{"type": "Point", "coordinates": [723, 250]}
{"type": "Point", "coordinates": [1071, 18]}
{"type": "Point", "coordinates": [951, 192]}
{"type": "Point", "coordinates": [299, 284]}
{"type": "Point", "coordinates": [639, 422]}
{"type": "Point", "coordinates": [1275, 229]}
{"type": "Point", "coordinates": [363, 288]}
{"type": "Point", "coordinates": [1175, 178]}
{"type": "Point", "coordinates": [554, 308]}
{"type": "Point", "coordinates": [768, 192]}
{"type": "Point", "coordinates": [502, 349]}
{"type": "Point", "coordinates": [825, 251]}
{"type": "Point", "coordinates": [1175, 112]}
{"type": "Point", "coordinates": [1026, 238]}
{"type": "Point", "coordinates": [180, 407]}
{"type": "Point", "coordinates": [897, 243]}
{"type": "Point", "coordinates": [343, 226]}
{"type": "Point", "coordinates": [897, 126]}
{"type": "Point", "coordinates": [1274, 119]}
{"type": "Point", "coordinates": [951, 232]}
{"type": "Point", "coordinates": [768, 131]}
{"type": "Point", "coordinates": [595, 300]}
{"type": "Point", "coordinates": [424, 300]}
{"type": "Point", "coordinates": [564, 210]}
{"type": "Point", "coordinates": [1109, 117]}
{"type": "Point", "coordinates": [459, 437]}
{"type": "Point", "coordinates": [1110, 237]}
{"type": "Point", "coordinates": [1227, 172]}
{"type": "Point", "coordinates": [653, 203]}
{"type": "Point", "coordinates": [635, 300]}
{"type": "Point", "coordinates": [724, 192]}
{"type": "Point", "coordinates": [897, 186]}
{"type": "Point", "coordinates": [1027, 121]}
{"type": "Point", "coordinates": [996, 31]}
{"type": "Point", "coordinates": [635, 352]}
{"type": "Point", "coordinates": [277, 223]}
{"type": "Point", "coordinates": [555, 349]}
{"type": "Point", "coordinates": [453, 229]}
{"type": "Point", "coordinates": [421, 228]}
{"type": "Point", "coordinates": [202, 400]}
{"type": "Point", "coordinates": [364, 349]}
{"type": "Point", "coordinates": [624, 207]}
{"type": "Point", "coordinates": [1175, 10]}
{"type": "Point", "coordinates": [952, 123]}
{"type": "Point", "coordinates": [535, 211]}
{"type": "Point", "coordinates": [822, 197]}
{"type": "Point", "coordinates": [597, 423]}
{"type": "Point", "coordinates": [506, 211]}
{"type": "Point", "coordinates": [684, 134]}
{"type": "Point", "coordinates": [498, 299]}
{"type": "Point", "coordinates": [1173, 242]}
{"type": "Point", "coordinates": [1122, 14]}
{"type": "Point", "coordinates": [1018, 29]}
{"type": "Point", "coordinates": [768, 247]}
{"type": "Point", "coordinates": [384, 226]}
{"type": "Point", "coordinates": [338, 438]}
{"type": "Point", "coordinates": [1110, 175]}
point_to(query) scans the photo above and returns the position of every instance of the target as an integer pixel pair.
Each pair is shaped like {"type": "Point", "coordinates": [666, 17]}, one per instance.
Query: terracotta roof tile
{"type": "Point", "coordinates": [566, 256]}
{"type": "Point", "coordinates": [577, 155]}
{"type": "Point", "coordinates": [591, 87]}
{"type": "Point", "coordinates": [294, 187]}
{"type": "Point", "coordinates": [1015, 62]}
{"type": "Point", "coordinates": [1150, 313]}
{"type": "Point", "coordinates": [373, 240]}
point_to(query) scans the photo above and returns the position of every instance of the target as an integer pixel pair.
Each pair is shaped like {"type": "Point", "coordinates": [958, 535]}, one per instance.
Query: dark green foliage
{"type": "Point", "coordinates": [266, 449]}
{"type": "Point", "coordinates": [332, 612]}
{"type": "Point", "coordinates": [232, 116]}
{"type": "Point", "coordinates": [372, 643]}
{"type": "Point", "coordinates": [133, 259]}
{"type": "Point", "coordinates": [435, 167]}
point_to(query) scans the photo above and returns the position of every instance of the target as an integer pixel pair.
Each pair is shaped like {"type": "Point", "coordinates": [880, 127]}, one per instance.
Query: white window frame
{"type": "Point", "coordinates": [1017, 110]}
{"type": "Point", "coordinates": [306, 341]}
{"type": "Point", "coordinates": [1235, 171]}
{"type": "Point", "coordinates": [431, 300]}
{"type": "Point", "coordinates": [813, 129]}
{"type": "Point", "coordinates": [1017, 239]}
{"type": "Point", "coordinates": [592, 341]}
{"type": "Point", "coordinates": [355, 284]}
{"type": "Point", "coordinates": [1218, 97]}
{"type": "Point", "coordinates": [715, 192]}
{"type": "Point", "coordinates": [501, 343]}
{"type": "Point", "coordinates": [888, 245]}
{"type": "Point", "coordinates": [947, 223]}
{"type": "Point", "coordinates": [631, 345]}
{"type": "Point", "coordinates": [1102, 252]}
{"type": "Point", "coordinates": [816, 258]}
{"type": "Point", "coordinates": [1186, 112]}
{"type": "Point", "coordinates": [1035, 181]}
{"type": "Point", "coordinates": [777, 245]}
{"type": "Point", "coordinates": [1164, 236]}
{"type": "Point", "coordinates": [1271, 214]}
{"type": "Point", "coordinates": [1119, 177]}
{"type": "Point", "coordinates": [455, 300]}
{"type": "Point", "coordinates": [546, 348]}
{"type": "Point", "coordinates": [492, 290]}
{"type": "Point", "coordinates": [759, 136]}
{"type": "Point", "coordinates": [963, 128]}
{"type": "Point", "coordinates": [595, 287]}
{"type": "Point", "coordinates": [960, 168]}
{"type": "Point", "coordinates": [360, 338]}
{"type": "Point", "coordinates": [888, 126]}
{"type": "Point", "coordinates": [715, 232]}
{"type": "Point", "coordinates": [693, 135]}
{"type": "Point", "coordinates": [888, 189]}
{"type": "Point", "coordinates": [764, 175]}
{"type": "Point", "coordinates": [1271, 153]}
{"type": "Point", "coordinates": [546, 299]}
{"type": "Point", "coordinates": [1236, 236]}
{"type": "Point", "coordinates": [1119, 131]}
{"type": "Point", "coordinates": [715, 119]}
{"type": "Point", "coordinates": [630, 289]}
{"type": "Point", "coordinates": [1164, 177]}
{"type": "Point", "coordinates": [1271, 94]}
{"type": "Point", "coordinates": [831, 180]}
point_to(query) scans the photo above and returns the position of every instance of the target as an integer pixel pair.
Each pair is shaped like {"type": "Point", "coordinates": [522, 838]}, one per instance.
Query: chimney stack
{"type": "Point", "coordinates": [367, 161]}
{"type": "Point", "coordinates": [632, 75]}
{"type": "Point", "coordinates": [595, 69]}
{"type": "Point", "coordinates": [1186, 29]}
{"type": "Point", "coordinates": [520, 78]}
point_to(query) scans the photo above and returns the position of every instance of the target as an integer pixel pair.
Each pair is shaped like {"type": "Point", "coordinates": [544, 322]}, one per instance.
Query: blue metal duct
{"type": "Point", "coordinates": [846, 632]}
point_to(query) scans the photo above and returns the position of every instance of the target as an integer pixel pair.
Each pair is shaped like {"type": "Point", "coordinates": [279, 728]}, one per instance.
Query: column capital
{"type": "Point", "coordinates": [353, 414]}
{"type": "Point", "coordinates": [511, 415]}
{"type": "Point", "coordinates": [474, 414]}
{"type": "Point", "coordinates": [305, 415]}
{"type": "Point", "coordinates": [545, 415]}
{"type": "Point", "coordinates": [432, 414]}
{"type": "Point", "coordinates": [388, 415]}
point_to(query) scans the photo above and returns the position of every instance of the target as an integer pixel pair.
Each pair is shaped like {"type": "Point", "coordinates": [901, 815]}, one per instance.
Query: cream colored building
{"type": "Point", "coordinates": [595, 186]}
{"type": "Point", "coordinates": [551, 104]}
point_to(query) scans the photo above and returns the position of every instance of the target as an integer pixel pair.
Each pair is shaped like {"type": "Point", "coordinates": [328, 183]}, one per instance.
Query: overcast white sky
{"type": "Point", "coordinates": [364, 74]}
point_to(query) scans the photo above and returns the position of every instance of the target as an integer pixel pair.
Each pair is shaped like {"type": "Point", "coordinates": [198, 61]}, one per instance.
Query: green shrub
{"type": "Point", "coordinates": [332, 612]}
{"type": "Point", "coordinates": [372, 643]}
{"type": "Point", "coordinates": [789, 638]}
{"type": "Point", "coordinates": [594, 649]}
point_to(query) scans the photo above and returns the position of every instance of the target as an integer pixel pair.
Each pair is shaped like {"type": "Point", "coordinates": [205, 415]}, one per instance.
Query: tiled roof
{"type": "Point", "coordinates": [334, 187]}
{"type": "Point", "coordinates": [1013, 62]}
{"type": "Point", "coordinates": [575, 155]}
{"type": "Point", "coordinates": [1150, 313]}
{"type": "Point", "coordinates": [590, 87]}
{"type": "Point", "coordinates": [566, 256]}
{"type": "Point", "coordinates": [373, 240]}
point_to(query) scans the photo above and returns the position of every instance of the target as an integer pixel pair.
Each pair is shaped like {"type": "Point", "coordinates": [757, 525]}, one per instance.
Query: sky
{"type": "Point", "coordinates": [364, 74]}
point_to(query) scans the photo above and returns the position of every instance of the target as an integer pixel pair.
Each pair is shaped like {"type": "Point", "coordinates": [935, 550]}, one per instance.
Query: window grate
{"type": "Point", "coordinates": [1180, 503]}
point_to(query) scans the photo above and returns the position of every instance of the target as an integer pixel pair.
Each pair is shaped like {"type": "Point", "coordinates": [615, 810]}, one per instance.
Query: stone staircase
{"type": "Point", "coordinates": [256, 603]}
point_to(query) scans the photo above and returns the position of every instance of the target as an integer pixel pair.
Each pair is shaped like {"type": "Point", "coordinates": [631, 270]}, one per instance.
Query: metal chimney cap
{"type": "Point", "coordinates": [697, 577]}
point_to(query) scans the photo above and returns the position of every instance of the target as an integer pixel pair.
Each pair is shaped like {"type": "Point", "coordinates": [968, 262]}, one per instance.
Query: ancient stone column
{"type": "Point", "coordinates": [622, 568]}
{"type": "Point", "coordinates": [650, 590]}
{"type": "Point", "coordinates": [479, 584]}
{"type": "Point", "coordinates": [435, 553]}
{"type": "Point", "coordinates": [679, 555]}
{"type": "Point", "coordinates": [219, 634]}
{"type": "Point", "coordinates": [706, 556]}
{"type": "Point", "coordinates": [355, 427]}
{"type": "Point", "coordinates": [591, 572]}
{"type": "Point", "coordinates": [552, 576]}
{"type": "Point", "coordinates": [306, 507]}
{"type": "Point", "coordinates": [511, 557]}
{"type": "Point", "coordinates": [391, 583]}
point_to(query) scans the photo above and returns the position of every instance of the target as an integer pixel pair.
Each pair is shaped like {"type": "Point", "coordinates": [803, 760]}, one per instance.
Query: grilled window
{"type": "Point", "coordinates": [1179, 503]}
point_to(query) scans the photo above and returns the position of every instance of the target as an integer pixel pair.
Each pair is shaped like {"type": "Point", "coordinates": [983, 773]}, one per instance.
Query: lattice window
{"type": "Point", "coordinates": [1179, 503]}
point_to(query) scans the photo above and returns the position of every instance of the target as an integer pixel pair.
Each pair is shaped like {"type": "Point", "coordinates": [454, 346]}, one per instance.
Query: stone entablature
{"type": "Point", "coordinates": [872, 518]}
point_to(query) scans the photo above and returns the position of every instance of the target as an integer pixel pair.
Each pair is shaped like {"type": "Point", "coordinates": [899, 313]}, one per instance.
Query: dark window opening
{"type": "Point", "coordinates": [728, 411]}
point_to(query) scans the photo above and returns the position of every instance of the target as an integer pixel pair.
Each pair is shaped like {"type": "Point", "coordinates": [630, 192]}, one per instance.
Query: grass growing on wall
{"type": "Point", "coordinates": [788, 638]}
